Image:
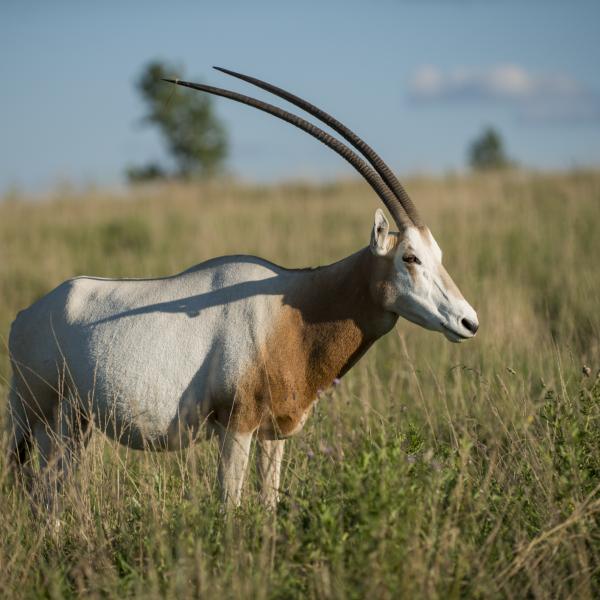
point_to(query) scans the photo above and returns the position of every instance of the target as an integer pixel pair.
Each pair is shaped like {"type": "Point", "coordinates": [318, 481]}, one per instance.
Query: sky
{"type": "Point", "coordinates": [418, 80]}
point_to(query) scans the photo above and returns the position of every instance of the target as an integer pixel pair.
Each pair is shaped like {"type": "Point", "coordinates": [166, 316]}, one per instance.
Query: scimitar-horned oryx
{"type": "Point", "coordinates": [237, 343]}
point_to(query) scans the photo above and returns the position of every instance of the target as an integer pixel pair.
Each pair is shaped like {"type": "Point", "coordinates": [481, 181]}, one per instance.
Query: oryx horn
{"type": "Point", "coordinates": [392, 203]}
{"type": "Point", "coordinates": [376, 161]}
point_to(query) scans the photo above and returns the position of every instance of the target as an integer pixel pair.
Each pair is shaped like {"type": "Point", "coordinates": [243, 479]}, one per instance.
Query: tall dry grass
{"type": "Point", "coordinates": [434, 470]}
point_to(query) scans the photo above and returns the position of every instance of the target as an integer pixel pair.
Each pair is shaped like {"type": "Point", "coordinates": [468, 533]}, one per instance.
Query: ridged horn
{"type": "Point", "coordinates": [376, 161]}
{"type": "Point", "coordinates": [397, 211]}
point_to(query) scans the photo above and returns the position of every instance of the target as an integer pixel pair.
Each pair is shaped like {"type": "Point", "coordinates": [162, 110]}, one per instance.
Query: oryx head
{"type": "Point", "coordinates": [412, 282]}
{"type": "Point", "coordinates": [410, 279]}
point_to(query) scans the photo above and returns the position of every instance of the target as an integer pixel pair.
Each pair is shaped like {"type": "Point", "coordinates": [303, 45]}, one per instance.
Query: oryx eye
{"type": "Point", "coordinates": [411, 258]}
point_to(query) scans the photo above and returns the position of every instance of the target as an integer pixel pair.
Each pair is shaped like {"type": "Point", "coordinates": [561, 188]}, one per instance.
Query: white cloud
{"type": "Point", "coordinates": [536, 96]}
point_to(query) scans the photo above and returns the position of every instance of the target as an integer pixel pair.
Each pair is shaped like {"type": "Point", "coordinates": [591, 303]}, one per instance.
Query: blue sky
{"type": "Point", "coordinates": [417, 79]}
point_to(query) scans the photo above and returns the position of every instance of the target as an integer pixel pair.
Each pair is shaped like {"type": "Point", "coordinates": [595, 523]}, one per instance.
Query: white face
{"type": "Point", "coordinates": [419, 288]}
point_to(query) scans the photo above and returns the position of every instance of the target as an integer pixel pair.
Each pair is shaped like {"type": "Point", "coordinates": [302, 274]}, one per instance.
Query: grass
{"type": "Point", "coordinates": [433, 470]}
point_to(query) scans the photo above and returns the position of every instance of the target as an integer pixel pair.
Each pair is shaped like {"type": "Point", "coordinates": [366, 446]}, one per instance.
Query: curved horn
{"type": "Point", "coordinates": [396, 210]}
{"type": "Point", "coordinates": [378, 164]}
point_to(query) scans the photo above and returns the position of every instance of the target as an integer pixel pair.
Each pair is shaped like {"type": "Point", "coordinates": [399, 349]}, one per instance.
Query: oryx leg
{"type": "Point", "coordinates": [20, 436]}
{"type": "Point", "coordinates": [60, 444]}
{"type": "Point", "coordinates": [28, 403]}
{"type": "Point", "coordinates": [234, 451]}
{"type": "Point", "coordinates": [268, 462]}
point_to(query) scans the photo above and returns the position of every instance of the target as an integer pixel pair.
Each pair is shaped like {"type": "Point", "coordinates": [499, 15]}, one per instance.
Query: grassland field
{"type": "Point", "coordinates": [433, 470]}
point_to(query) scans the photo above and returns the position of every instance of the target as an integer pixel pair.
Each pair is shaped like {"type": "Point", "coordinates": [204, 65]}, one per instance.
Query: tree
{"type": "Point", "coordinates": [149, 172]}
{"type": "Point", "coordinates": [193, 134]}
{"type": "Point", "coordinates": [487, 152]}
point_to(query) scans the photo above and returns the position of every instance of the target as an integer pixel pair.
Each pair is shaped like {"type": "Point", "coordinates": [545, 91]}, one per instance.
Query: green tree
{"type": "Point", "coordinates": [194, 136]}
{"type": "Point", "coordinates": [487, 151]}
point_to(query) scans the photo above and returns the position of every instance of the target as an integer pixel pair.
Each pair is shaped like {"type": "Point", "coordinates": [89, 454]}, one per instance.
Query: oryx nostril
{"type": "Point", "coordinates": [472, 327]}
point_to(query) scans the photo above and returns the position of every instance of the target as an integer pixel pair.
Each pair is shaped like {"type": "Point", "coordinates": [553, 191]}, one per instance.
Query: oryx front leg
{"type": "Point", "coordinates": [268, 462]}
{"type": "Point", "coordinates": [235, 448]}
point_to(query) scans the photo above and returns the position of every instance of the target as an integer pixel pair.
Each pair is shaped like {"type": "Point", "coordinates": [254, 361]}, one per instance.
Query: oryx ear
{"type": "Point", "coordinates": [379, 236]}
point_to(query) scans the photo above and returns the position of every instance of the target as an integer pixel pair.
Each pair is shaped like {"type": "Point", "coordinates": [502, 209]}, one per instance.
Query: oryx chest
{"type": "Point", "coordinates": [300, 358]}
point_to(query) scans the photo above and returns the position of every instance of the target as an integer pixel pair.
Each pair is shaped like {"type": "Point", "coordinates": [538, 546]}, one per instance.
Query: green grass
{"type": "Point", "coordinates": [433, 470]}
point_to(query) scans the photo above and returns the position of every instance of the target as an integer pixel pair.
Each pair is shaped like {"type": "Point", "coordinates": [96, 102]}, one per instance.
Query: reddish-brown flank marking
{"type": "Point", "coordinates": [325, 325]}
